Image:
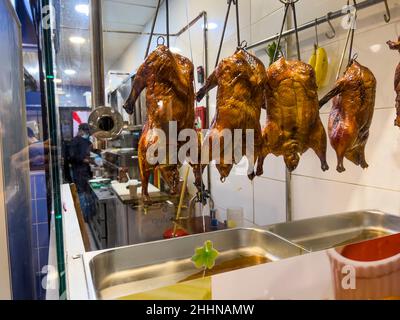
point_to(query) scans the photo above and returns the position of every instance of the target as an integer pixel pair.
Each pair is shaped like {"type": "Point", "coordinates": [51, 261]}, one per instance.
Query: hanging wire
{"type": "Point", "coordinates": [289, 3]}
{"type": "Point", "coordinates": [280, 33]}
{"type": "Point", "coordinates": [353, 28]}
{"type": "Point", "coordinates": [223, 31]}
{"type": "Point", "coordinates": [316, 33]}
{"type": "Point", "coordinates": [347, 39]}
{"type": "Point", "coordinates": [296, 30]}
{"type": "Point", "coordinates": [152, 29]}
{"type": "Point", "coordinates": [236, 2]}
{"type": "Point", "coordinates": [196, 104]}
{"type": "Point", "coordinates": [167, 20]}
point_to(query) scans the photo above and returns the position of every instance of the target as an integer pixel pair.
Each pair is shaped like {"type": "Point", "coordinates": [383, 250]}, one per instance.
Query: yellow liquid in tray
{"type": "Point", "coordinates": [177, 276]}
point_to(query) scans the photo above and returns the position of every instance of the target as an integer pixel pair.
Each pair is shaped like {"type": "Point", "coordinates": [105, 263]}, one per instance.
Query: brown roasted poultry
{"type": "Point", "coordinates": [396, 46]}
{"type": "Point", "coordinates": [168, 79]}
{"type": "Point", "coordinates": [293, 121]}
{"type": "Point", "coordinates": [351, 115]}
{"type": "Point", "coordinates": [240, 79]}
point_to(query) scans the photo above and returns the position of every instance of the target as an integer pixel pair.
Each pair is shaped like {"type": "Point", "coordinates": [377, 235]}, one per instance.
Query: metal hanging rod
{"type": "Point", "coordinates": [153, 25]}
{"type": "Point", "coordinates": [236, 4]}
{"type": "Point", "coordinates": [140, 33]}
{"type": "Point", "coordinates": [326, 19]}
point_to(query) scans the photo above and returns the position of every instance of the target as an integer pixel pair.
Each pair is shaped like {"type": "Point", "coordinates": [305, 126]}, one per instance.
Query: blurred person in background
{"type": "Point", "coordinates": [79, 157]}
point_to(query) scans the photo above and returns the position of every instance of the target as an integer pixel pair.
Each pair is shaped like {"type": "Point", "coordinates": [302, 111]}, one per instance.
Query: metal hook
{"type": "Point", "coordinates": [160, 42]}
{"type": "Point", "coordinates": [243, 45]}
{"type": "Point", "coordinates": [288, 1]}
{"type": "Point", "coordinates": [328, 18]}
{"type": "Point", "coordinates": [387, 15]}
{"type": "Point", "coordinates": [316, 32]}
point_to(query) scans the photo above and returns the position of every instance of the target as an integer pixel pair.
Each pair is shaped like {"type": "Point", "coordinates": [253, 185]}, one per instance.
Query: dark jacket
{"type": "Point", "coordinates": [79, 150]}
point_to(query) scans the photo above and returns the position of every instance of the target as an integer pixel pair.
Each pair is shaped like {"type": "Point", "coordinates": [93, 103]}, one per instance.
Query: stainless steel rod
{"type": "Point", "coordinates": [205, 37]}
{"type": "Point", "coordinates": [97, 60]}
{"type": "Point", "coordinates": [152, 29]}
{"type": "Point", "coordinates": [223, 32]}
{"type": "Point", "coordinates": [311, 24]}
{"type": "Point", "coordinates": [296, 31]}
{"type": "Point", "coordinates": [237, 23]}
{"type": "Point", "coordinates": [280, 33]}
{"type": "Point", "coordinates": [167, 20]}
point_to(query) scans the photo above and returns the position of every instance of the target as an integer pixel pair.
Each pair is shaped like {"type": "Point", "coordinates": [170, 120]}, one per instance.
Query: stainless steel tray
{"type": "Point", "coordinates": [124, 271]}
{"type": "Point", "coordinates": [336, 230]}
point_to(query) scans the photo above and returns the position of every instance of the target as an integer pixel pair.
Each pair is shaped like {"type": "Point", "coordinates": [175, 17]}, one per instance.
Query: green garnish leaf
{"type": "Point", "coordinates": [271, 51]}
{"type": "Point", "coordinates": [205, 256]}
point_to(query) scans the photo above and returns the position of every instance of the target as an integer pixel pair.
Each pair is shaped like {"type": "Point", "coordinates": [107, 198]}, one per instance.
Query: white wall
{"type": "Point", "coordinates": [314, 192]}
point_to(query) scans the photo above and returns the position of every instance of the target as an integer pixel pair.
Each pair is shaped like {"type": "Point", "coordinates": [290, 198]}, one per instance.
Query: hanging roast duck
{"type": "Point", "coordinates": [396, 46]}
{"type": "Point", "coordinates": [168, 79]}
{"type": "Point", "coordinates": [293, 121]}
{"type": "Point", "coordinates": [351, 114]}
{"type": "Point", "coordinates": [240, 79]}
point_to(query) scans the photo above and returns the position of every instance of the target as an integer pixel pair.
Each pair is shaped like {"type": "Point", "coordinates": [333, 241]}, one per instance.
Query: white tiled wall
{"type": "Point", "coordinates": [313, 192]}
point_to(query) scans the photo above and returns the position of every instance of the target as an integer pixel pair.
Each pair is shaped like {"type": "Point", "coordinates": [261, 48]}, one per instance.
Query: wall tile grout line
{"type": "Point", "coordinates": [344, 182]}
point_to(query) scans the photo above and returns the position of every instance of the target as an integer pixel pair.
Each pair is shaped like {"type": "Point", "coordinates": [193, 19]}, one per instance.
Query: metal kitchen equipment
{"type": "Point", "coordinates": [337, 230]}
{"type": "Point", "coordinates": [105, 122]}
{"type": "Point", "coordinates": [120, 272]}
{"type": "Point", "coordinates": [149, 225]}
{"type": "Point", "coordinates": [121, 160]}
{"type": "Point", "coordinates": [103, 222]}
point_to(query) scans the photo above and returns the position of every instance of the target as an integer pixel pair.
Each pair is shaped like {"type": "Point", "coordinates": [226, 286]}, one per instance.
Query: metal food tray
{"type": "Point", "coordinates": [337, 230]}
{"type": "Point", "coordinates": [124, 271]}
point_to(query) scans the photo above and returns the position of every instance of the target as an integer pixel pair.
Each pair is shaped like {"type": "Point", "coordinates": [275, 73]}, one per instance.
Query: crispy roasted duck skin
{"type": "Point", "coordinates": [293, 120]}
{"type": "Point", "coordinates": [240, 79]}
{"type": "Point", "coordinates": [351, 114]}
{"type": "Point", "coordinates": [168, 79]}
{"type": "Point", "coordinates": [396, 46]}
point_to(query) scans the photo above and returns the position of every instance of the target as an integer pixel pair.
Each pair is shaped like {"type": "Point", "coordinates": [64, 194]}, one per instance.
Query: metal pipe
{"type": "Point", "coordinates": [223, 32]}
{"type": "Point", "coordinates": [97, 61]}
{"type": "Point", "coordinates": [237, 23]}
{"type": "Point", "coordinates": [310, 24]}
{"type": "Point", "coordinates": [296, 31]}
{"type": "Point", "coordinates": [280, 33]}
{"type": "Point", "coordinates": [176, 34]}
{"type": "Point", "coordinates": [205, 35]}
{"type": "Point", "coordinates": [352, 26]}
{"type": "Point", "coordinates": [167, 19]}
{"type": "Point", "coordinates": [288, 186]}
{"type": "Point", "coordinates": [152, 29]}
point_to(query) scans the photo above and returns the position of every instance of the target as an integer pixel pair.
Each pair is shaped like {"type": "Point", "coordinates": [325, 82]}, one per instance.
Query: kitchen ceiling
{"type": "Point", "coordinates": [118, 15]}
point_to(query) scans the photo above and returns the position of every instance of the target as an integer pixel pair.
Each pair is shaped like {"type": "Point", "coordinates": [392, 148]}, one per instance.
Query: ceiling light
{"type": "Point", "coordinates": [77, 40]}
{"type": "Point", "coordinates": [211, 26]}
{"type": "Point", "coordinates": [82, 8]}
{"type": "Point", "coordinates": [175, 50]}
{"type": "Point", "coordinates": [57, 80]}
{"type": "Point", "coordinates": [375, 48]}
{"type": "Point", "coordinates": [69, 72]}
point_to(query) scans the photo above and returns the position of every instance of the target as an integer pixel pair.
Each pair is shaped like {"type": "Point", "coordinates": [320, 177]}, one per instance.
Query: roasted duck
{"type": "Point", "coordinates": [396, 46]}
{"type": "Point", "coordinates": [293, 121]}
{"type": "Point", "coordinates": [240, 79]}
{"type": "Point", "coordinates": [168, 79]}
{"type": "Point", "coordinates": [351, 114]}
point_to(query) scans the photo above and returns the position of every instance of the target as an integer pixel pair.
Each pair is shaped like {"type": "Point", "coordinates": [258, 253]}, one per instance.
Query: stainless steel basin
{"type": "Point", "coordinates": [336, 230]}
{"type": "Point", "coordinates": [124, 271]}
